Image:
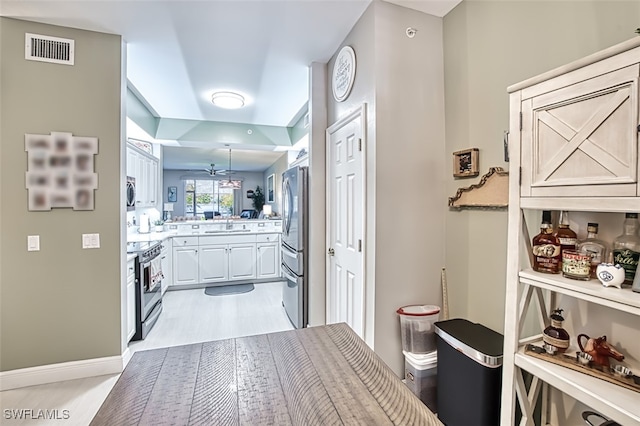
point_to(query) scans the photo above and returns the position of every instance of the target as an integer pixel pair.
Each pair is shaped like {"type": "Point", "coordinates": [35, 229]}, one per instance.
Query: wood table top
{"type": "Point", "coordinates": [322, 375]}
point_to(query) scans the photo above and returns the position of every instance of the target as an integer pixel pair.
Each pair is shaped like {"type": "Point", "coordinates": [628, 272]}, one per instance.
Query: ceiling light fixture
{"type": "Point", "coordinates": [228, 100]}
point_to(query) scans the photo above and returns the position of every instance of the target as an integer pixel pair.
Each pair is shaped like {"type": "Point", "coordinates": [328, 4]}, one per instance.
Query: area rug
{"type": "Point", "coordinates": [224, 290]}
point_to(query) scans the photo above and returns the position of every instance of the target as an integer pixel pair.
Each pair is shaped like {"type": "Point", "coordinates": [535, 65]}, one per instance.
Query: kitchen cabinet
{"type": "Point", "coordinates": [213, 263]}
{"type": "Point", "coordinates": [131, 299]}
{"type": "Point", "coordinates": [227, 258]}
{"type": "Point", "coordinates": [144, 168]}
{"type": "Point", "coordinates": [574, 136]}
{"type": "Point", "coordinates": [185, 261]}
{"type": "Point", "coordinates": [268, 256]}
{"type": "Point", "coordinates": [242, 261]}
{"type": "Point", "coordinates": [167, 264]}
{"type": "Point", "coordinates": [221, 258]}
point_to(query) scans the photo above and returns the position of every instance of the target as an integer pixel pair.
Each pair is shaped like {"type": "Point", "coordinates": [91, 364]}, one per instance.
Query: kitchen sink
{"type": "Point", "coordinates": [227, 231]}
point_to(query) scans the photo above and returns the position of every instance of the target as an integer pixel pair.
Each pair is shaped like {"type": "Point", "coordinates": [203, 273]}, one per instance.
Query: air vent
{"type": "Point", "coordinates": [49, 49]}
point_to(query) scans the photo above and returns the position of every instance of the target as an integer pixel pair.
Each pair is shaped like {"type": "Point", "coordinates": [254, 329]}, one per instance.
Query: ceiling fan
{"type": "Point", "coordinates": [212, 171]}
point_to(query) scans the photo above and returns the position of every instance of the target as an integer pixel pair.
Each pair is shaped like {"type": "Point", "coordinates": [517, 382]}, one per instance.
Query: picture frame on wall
{"type": "Point", "coordinates": [172, 194]}
{"type": "Point", "coordinates": [465, 163]}
{"type": "Point", "coordinates": [271, 184]}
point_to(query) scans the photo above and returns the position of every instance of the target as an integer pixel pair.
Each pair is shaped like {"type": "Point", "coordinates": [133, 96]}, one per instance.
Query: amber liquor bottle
{"type": "Point", "coordinates": [568, 239]}
{"type": "Point", "coordinates": [547, 256]}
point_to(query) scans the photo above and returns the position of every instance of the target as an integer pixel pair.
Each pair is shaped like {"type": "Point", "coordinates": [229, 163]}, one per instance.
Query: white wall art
{"type": "Point", "coordinates": [60, 171]}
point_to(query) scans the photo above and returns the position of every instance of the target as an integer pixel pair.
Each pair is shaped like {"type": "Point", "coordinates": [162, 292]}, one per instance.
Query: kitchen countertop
{"type": "Point", "coordinates": [319, 375]}
{"type": "Point", "coordinates": [154, 236]}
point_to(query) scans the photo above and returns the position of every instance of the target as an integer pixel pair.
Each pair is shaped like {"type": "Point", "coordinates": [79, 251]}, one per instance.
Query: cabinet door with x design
{"type": "Point", "coordinates": [573, 136]}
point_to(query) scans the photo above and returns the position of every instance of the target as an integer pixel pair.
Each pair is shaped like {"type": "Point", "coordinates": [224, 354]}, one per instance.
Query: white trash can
{"type": "Point", "coordinates": [420, 373]}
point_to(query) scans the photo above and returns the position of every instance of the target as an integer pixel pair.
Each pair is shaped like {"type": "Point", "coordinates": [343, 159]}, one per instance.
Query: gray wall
{"type": "Point", "coordinates": [401, 80]}
{"type": "Point", "coordinates": [277, 168]}
{"type": "Point", "coordinates": [489, 45]}
{"type": "Point", "coordinates": [61, 303]}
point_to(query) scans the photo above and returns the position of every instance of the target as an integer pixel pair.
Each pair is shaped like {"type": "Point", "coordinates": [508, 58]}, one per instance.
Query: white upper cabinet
{"type": "Point", "coordinates": [144, 168]}
{"type": "Point", "coordinates": [580, 131]}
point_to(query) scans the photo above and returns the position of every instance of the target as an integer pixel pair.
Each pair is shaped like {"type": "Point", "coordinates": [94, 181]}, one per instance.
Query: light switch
{"type": "Point", "coordinates": [90, 241]}
{"type": "Point", "coordinates": [33, 243]}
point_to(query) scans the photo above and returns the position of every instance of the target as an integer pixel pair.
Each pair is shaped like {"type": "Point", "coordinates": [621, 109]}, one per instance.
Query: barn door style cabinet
{"type": "Point", "coordinates": [574, 138]}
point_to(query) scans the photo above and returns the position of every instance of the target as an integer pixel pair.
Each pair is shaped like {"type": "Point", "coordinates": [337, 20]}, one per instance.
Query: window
{"type": "Point", "coordinates": [207, 198]}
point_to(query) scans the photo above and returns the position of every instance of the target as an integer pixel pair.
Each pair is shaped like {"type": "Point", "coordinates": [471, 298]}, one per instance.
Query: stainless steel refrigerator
{"type": "Point", "coordinates": [293, 245]}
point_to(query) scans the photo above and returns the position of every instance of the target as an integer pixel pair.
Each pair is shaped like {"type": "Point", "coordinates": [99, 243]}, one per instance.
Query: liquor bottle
{"type": "Point", "coordinates": [554, 335]}
{"type": "Point", "coordinates": [626, 247]}
{"type": "Point", "coordinates": [546, 248]}
{"type": "Point", "coordinates": [596, 248]}
{"type": "Point", "coordinates": [568, 239]}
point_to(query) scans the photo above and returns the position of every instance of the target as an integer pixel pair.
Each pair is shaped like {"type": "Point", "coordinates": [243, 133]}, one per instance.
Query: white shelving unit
{"type": "Point", "coordinates": [574, 138]}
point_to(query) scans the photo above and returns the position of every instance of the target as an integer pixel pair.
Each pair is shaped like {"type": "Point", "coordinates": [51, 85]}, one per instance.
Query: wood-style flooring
{"type": "Point", "coordinates": [188, 316]}
{"type": "Point", "coordinates": [323, 375]}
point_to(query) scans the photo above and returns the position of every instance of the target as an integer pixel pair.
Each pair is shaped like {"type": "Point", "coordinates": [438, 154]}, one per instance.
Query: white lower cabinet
{"type": "Point", "coordinates": [268, 256]}
{"type": "Point", "coordinates": [167, 264]}
{"type": "Point", "coordinates": [220, 258]}
{"type": "Point", "coordinates": [185, 260]}
{"type": "Point", "coordinates": [242, 261]}
{"type": "Point", "coordinates": [131, 299]}
{"type": "Point", "coordinates": [213, 265]}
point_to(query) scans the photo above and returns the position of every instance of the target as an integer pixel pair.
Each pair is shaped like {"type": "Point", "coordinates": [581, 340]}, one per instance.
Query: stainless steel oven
{"type": "Point", "coordinates": [149, 278]}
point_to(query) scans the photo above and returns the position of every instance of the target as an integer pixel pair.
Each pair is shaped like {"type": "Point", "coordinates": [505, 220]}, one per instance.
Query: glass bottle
{"type": "Point", "coordinates": [555, 335]}
{"type": "Point", "coordinates": [626, 247]}
{"type": "Point", "coordinates": [568, 239]}
{"type": "Point", "coordinates": [594, 247]}
{"type": "Point", "coordinates": [546, 248]}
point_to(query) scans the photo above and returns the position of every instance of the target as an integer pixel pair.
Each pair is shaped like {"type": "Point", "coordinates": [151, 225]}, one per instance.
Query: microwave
{"type": "Point", "coordinates": [131, 193]}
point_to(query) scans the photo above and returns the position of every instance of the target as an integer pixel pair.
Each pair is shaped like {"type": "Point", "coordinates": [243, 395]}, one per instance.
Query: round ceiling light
{"type": "Point", "coordinates": [227, 100]}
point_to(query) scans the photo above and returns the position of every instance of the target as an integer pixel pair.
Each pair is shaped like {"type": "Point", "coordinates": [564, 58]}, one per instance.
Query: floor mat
{"type": "Point", "coordinates": [228, 289]}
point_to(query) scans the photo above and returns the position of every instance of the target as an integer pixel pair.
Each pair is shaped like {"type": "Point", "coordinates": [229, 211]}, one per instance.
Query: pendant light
{"type": "Point", "coordinates": [234, 184]}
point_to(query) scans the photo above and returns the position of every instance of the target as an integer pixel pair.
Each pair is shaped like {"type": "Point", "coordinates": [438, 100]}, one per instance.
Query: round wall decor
{"type": "Point", "coordinates": [344, 73]}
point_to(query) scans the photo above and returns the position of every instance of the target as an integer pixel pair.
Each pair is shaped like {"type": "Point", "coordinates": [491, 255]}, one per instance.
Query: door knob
{"type": "Point", "coordinates": [331, 252]}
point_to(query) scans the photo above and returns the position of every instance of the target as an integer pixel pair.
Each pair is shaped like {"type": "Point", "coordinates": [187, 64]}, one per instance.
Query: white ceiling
{"type": "Point", "coordinates": [179, 52]}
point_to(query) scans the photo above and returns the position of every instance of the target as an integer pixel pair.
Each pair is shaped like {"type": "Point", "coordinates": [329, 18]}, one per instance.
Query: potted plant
{"type": "Point", "coordinates": [258, 199]}
{"type": "Point", "coordinates": [159, 225]}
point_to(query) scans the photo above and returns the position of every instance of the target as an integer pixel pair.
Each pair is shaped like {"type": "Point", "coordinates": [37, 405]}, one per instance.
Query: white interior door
{"type": "Point", "coordinates": [345, 222]}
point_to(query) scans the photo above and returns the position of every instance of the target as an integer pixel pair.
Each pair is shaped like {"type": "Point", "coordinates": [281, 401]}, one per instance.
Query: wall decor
{"type": "Point", "coordinates": [172, 194]}
{"type": "Point", "coordinates": [250, 193]}
{"type": "Point", "coordinates": [271, 197]}
{"type": "Point", "coordinates": [465, 163]}
{"type": "Point", "coordinates": [344, 73]}
{"type": "Point", "coordinates": [491, 192]}
{"type": "Point", "coordinates": [60, 171]}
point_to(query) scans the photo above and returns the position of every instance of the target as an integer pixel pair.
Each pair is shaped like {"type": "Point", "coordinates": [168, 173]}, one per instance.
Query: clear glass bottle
{"type": "Point", "coordinates": [568, 239]}
{"type": "Point", "coordinates": [626, 247]}
{"type": "Point", "coordinates": [595, 247]}
{"type": "Point", "coordinates": [547, 256]}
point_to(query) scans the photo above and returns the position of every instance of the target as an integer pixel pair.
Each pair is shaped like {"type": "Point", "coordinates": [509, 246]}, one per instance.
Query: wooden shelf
{"type": "Point", "coordinates": [592, 291]}
{"type": "Point", "coordinates": [611, 400]}
{"type": "Point", "coordinates": [583, 204]}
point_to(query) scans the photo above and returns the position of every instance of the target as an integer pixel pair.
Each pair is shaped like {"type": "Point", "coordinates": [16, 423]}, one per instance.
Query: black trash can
{"type": "Point", "coordinates": [469, 373]}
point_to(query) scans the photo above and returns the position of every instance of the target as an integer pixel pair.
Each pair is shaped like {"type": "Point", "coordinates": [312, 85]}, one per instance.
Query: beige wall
{"type": "Point", "coordinates": [489, 45]}
{"type": "Point", "coordinates": [61, 303]}
{"type": "Point", "coordinates": [401, 80]}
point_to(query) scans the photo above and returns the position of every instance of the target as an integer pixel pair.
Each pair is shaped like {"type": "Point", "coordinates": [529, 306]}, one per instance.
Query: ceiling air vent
{"type": "Point", "coordinates": [49, 49]}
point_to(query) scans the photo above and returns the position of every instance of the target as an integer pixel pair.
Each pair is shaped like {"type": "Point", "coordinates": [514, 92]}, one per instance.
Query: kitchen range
{"type": "Point", "coordinates": [148, 284]}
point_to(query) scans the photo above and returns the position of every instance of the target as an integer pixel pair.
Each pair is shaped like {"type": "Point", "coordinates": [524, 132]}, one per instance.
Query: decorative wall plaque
{"type": "Point", "coordinates": [60, 171]}
{"type": "Point", "coordinates": [344, 73]}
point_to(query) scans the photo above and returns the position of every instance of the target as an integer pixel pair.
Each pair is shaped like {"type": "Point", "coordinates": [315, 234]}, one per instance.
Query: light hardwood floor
{"type": "Point", "coordinates": [188, 316]}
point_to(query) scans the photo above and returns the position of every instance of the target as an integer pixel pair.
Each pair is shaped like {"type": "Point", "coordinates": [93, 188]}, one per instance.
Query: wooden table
{"type": "Point", "coordinates": [314, 376]}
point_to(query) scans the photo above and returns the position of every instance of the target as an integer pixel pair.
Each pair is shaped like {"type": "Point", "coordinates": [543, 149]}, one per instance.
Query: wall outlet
{"type": "Point", "coordinates": [90, 241]}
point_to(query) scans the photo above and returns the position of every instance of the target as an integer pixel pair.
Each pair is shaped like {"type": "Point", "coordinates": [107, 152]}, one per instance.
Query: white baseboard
{"type": "Point", "coordinates": [51, 373]}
